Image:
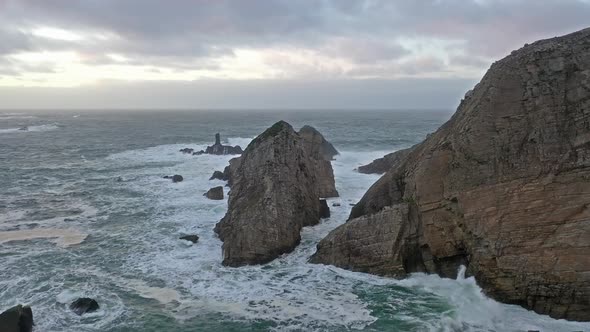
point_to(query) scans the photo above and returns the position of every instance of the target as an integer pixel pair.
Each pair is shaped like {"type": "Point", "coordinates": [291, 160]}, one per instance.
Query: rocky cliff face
{"type": "Point", "coordinates": [274, 193]}
{"type": "Point", "coordinates": [503, 188]}
{"type": "Point", "coordinates": [382, 165]}
{"type": "Point", "coordinates": [322, 151]}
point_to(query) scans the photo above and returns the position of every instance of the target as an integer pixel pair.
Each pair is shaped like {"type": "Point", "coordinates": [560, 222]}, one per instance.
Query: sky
{"type": "Point", "coordinates": [264, 54]}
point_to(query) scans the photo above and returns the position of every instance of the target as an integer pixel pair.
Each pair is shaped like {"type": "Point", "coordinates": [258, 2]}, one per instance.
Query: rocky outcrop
{"type": "Point", "coordinates": [84, 305]}
{"type": "Point", "coordinates": [230, 170]}
{"type": "Point", "coordinates": [217, 175]}
{"type": "Point", "coordinates": [192, 238]}
{"type": "Point", "coordinates": [220, 149]}
{"type": "Point", "coordinates": [317, 144]}
{"type": "Point", "coordinates": [187, 150]}
{"type": "Point", "coordinates": [322, 152]}
{"type": "Point", "coordinates": [215, 193]}
{"type": "Point", "coordinates": [383, 164]}
{"type": "Point", "coordinates": [274, 193]}
{"type": "Point", "coordinates": [503, 188]}
{"type": "Point", "coordinates": [324, 209]}
{"type": "Point", "coordinates": [175, 178]}
{"type": "Point", "coordinates": [17, 319]}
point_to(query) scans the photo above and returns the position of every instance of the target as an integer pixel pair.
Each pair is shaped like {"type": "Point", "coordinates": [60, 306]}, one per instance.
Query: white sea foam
{"type": "Point", "coordinates": [61, 237]}
{"type": "Point", "coordinates": [38, 128]}
{"type": "Point", "coordinates": [188, 281]}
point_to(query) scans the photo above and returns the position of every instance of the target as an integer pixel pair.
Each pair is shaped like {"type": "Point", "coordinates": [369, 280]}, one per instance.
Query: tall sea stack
{"type": "Point", "coordinates": [274, 193]}
{"type": "Point", "coordinates": [503, 188]}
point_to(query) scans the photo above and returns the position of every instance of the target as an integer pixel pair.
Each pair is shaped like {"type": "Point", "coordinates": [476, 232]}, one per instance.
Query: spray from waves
{"type": "Point", "coordinates": [22, 130]}
{"type": "Point", "coordinates": [473, 311]}
{"type": "Point", "coordinates": [10, 117]}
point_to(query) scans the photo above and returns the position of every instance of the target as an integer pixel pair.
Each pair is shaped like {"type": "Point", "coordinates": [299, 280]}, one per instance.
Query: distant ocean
{"type": "Point", "coordinates": [84, 211]}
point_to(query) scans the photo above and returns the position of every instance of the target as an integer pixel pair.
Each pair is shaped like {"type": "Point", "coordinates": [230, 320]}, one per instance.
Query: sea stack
{"type": "Point", "coordinates": [220, 149]}
{"type": "Point", "coordinates": [274, 193]}
{"type": "Point", "coordinates": [322, 152]}
{"type": "Point", "coordinates": [503, 188]}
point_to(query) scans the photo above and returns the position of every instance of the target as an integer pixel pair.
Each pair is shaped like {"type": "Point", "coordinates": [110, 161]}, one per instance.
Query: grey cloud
{"type": "Point", "coordinates": [183, 34]}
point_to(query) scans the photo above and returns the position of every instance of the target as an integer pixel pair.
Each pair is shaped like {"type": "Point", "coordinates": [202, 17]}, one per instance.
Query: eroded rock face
{"type": "Point", "coordinates": [273, 195]}
{"type": "Point", "coordinates": [503, 188]}
{"type": "Point", "coordinates": [382, 165]}
{"type": "Point", "coordinates": [17, 319]}
{"type": "Point", "coordinates": [317, 144]}
{"type": "Point", "coordinates": [322, 152]}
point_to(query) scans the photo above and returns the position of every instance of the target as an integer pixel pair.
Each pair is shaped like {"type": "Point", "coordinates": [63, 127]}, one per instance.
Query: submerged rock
{"type": "Point", "coordinates": [274, 194]}
{"type": "Point", "coordinates": [192, 238]}
{"type": "Point", "coordinates": [84, 305]}
{"type": "Point", "coordinates": [384, 164]}
{"type": "Point", "coordinates": [187, 150]}
{"type": "Point", "coordinates": [503, 188]}
{"type": "Point", "coordinates": [17, 319]}
{"type": "Point", "coordinates": [174, 178]}
{"type": "Point", "coordinates": [215, 193]}
{"type": "Point", "coordinates": [324, 209]}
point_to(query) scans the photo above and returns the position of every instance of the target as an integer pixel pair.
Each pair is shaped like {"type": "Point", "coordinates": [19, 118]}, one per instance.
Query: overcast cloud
{"type": "Point", "coordinates": [245, 53]}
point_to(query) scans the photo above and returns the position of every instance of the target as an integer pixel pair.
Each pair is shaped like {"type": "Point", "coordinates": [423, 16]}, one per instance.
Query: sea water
{"type": "Point", "coordinates": [84, 211]}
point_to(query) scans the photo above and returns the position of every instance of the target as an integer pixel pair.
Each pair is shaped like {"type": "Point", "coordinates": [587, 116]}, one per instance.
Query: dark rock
{"type": "Point", "coordinates": [335, 204]}
{"type": "Point", "coordinates": [215, 193]}
{"type": "Point", "coordinates": [177, 178]}
{"type": "Point", "coordinates": [324, 209]}
{"type": "Point", "coordinates": [219, 149]}
{"type": "Point", "coordinates": [230, 170]}
{"type": "Point", "coordinates": [318, 143]}
{"type": "Point", "coordinates": [217, 175]}
{"type": "Point", "coordinates": [322, 152]}
{"type": "Point", "coordinates": [198, 153]}
{"type": "Point", "coordinates": [274, 194]}
{"type": "Point", "coordinates": [502, 188]}
{"type": "Point", "coordinates": [17, 319]}
{"type": "Point", "coordinates": [384, 164]}
{"type": "Point", "coordinates": [187, 150]}
{"type": "Point", "coordinates": [191, 238]}
{"type": "Point", "coordinates": [84, 305]}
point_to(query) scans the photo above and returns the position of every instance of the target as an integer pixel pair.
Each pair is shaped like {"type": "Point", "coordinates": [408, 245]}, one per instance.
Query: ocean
{"type": "Point", "coordinates": [85, 211]}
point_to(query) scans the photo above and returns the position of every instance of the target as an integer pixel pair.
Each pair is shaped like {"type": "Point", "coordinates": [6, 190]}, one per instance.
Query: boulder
{"type": "Point", "coordinates": [177, 178]}
{"type": "Point", "coordinates": [192, 238]}
{"type": "Point", "coordinates": [274, 194]}
{"type": "Point", "coordinates": [382, 165]}
{"type": "Point", "coordinates": [217, 175]}
{"type": "Point", "coordinates": [215, 193]}
{"type": "Point", "coordinates": [322, 152]}
{"type": "Point", "coordinates": [324, 209]}
{"type": "Point", "coordinates": [502, 188]}
{"type": "Point", "coordinates": [198, 153]}
{"type": "Point", "coordinates": [84, 305]}
{"type": "Point", "coordinates": [335, 204]}
{"type": "Point", "coordinates": [17, 319]}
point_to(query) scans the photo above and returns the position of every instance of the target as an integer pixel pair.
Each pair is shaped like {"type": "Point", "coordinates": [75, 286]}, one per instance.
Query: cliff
{"type": "Point", "coordinates": [503, 187]}
{"type": "Point", "coordinates": [383, 164]}
{"type": "Point", "coordinates": [322, 152]}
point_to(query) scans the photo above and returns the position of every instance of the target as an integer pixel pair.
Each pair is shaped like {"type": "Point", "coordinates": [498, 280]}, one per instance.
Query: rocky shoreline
{"type": "Point", "coordinates": [502, 188]}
